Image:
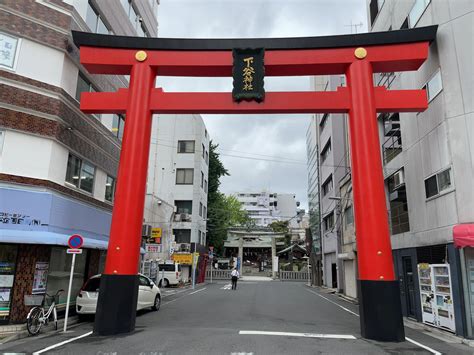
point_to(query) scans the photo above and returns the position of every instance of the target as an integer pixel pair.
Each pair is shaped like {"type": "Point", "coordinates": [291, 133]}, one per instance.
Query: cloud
{"type": "Point", "coordinates": [260, 151]}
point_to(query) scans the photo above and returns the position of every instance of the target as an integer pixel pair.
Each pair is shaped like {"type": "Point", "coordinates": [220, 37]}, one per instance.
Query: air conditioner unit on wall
{"type": "Point", "coordinates": [398, 179]}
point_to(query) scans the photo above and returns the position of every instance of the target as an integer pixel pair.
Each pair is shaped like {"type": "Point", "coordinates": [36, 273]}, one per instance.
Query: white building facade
{"type": "Point", "coordinates": [177, 184]}
{"type": "Point", "coordinates": [267, 207]}
{"type": "Point", "coordinates": [428, 159]}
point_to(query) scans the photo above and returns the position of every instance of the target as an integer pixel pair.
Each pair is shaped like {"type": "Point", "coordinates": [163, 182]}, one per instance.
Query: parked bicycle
{"type": "Point", "coordinates": [39, 315]}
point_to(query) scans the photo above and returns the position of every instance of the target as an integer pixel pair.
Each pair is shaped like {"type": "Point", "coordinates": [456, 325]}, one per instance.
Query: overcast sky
{"type": "Point", "coordinates": [261, 152]}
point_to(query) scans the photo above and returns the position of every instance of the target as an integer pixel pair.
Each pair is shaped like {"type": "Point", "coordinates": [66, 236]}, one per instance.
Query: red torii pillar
{"type": "Point", "coordinates": [356, 56]}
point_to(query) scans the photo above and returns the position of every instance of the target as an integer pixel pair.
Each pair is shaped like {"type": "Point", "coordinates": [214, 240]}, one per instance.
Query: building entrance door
{"type": "Point", "coordinates": [409, 286]}
{"type": "Point", "coordinates": [334, 275]}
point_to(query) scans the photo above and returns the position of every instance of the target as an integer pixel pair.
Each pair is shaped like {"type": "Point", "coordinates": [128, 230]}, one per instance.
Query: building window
{"type": "Point", "coordinates": [327, 185]}
{"type": "Point", "coordinates": [200, 209]}
{"type": "Point", "coordinates": [8, 51]}
{"type": "Point", "coordinates": [205, 133]}
{"type": "Point", "coordinates": [434, 86]}
{"type": "Point", "coordinates": [135, 18]}
{"type": "Point", "coordinates": [399, 217]}
{"type": "Point", "coordinates": [392, 146]}
{"type": "Point", "coordinates": [80, 173]}
{"type": "Point", "coordinates": [118, 124]}
{"type": "Point", "coordinates": [184, 207]}
{"type": "Point", "coordinates": [204, 212]}
{"type": "Point", "coordinates": [328, 222]}
{"type": "Point", "coordinates": [94, 20]}
{"type": "Point", "coordinates": [203, 151]}
{"type": "Point", "coordinates": [182, 235]}
{"type": "Point", "coordinates": [59, 271]}
{"type": "Point", "coordinates": [326, 151]}
{"type": "Point", "coordinates": [202, 180]}
{"type": "Point", "coordinates": [207, 158]}
{"type": "Point", "coordinates": [184, 176]}
{"type": "Point", "coordinates": [416, 11]}
{"type": "Point", "coordinates": [323, 122]}
{"type": "Point", "coordinates": [348, 216]}
{"type": "Point", "coordinates": [438, 183]}
{"type": "Point", "coordinates": [205, 183]}
{"type": "Point", "coordinates": [83, 85]}
{"type": "Point", "coordinates": [185, 146]}
{"type": "Point", "coordinates": [110, 188]}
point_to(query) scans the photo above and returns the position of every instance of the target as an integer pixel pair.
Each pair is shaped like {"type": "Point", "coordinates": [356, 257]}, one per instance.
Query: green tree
{"type": "Point", "coordinates": [282, 227]}
{"type": "Point", "coordinates": [223, 211]}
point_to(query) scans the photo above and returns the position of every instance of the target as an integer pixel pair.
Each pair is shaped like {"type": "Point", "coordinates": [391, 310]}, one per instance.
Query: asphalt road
{"type": "Point", "coordinates": [216, 320]}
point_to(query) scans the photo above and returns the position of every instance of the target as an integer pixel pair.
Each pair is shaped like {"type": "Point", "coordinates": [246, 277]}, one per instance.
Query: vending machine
{"type": "Point", "coordinates": [436, 295]}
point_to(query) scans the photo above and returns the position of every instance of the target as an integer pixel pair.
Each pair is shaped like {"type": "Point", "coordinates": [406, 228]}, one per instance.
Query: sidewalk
{"type": "Point", "coordinates": [18, 331]}
{"type": "Point", "coordinates": [409, 323]}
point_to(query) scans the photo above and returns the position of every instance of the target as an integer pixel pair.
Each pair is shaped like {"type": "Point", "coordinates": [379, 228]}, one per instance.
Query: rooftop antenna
{"type": "Point", "coordinates": [354, 26]}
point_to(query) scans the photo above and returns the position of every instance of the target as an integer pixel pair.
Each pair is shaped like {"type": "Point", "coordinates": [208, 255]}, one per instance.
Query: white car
{"type": "Point", "coordinates": [149, 295]}
{"type": "Point", "coordinates": [170, 273]}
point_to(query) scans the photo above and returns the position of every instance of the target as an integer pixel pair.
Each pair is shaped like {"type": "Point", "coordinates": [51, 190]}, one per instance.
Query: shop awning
{"type": "Point", "coordinates": [463, 235]}
{"type": "Point", "coordinates": [50, 238]}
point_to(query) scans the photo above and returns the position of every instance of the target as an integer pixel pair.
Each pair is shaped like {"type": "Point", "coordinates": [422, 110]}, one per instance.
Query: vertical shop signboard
{"type": "Point", "coordinates": [40, 278]}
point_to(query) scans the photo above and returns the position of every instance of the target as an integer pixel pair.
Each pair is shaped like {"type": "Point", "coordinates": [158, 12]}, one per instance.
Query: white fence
{"type": "Point", "coordinates": [218, 274]}
{"type": "Point", "coordinates": [293, 276]}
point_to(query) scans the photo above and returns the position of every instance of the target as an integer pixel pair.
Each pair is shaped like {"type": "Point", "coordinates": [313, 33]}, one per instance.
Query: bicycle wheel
{"type": "Point", "coordinates": [34, 320]}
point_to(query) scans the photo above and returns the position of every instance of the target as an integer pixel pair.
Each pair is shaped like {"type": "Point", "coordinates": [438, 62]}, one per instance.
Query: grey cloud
{"type": "Point", "coordinates": [275, 137]}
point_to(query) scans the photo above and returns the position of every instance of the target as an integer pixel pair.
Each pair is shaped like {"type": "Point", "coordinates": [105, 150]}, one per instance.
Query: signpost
{"type": "Point", "coordinates": [211, 257]}
{"type": "Point", "coordinates": [75, 243]}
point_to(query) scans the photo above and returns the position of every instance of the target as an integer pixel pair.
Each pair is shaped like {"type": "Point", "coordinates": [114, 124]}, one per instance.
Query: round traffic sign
{"type": "Point", "coordinates": [75, 241]}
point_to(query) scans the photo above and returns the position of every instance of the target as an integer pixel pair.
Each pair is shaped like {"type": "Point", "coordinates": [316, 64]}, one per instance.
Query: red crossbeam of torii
{"type": "Point", "coordinates": [277, 63]}
{"type": "Point", "coordinates": [358, 57]}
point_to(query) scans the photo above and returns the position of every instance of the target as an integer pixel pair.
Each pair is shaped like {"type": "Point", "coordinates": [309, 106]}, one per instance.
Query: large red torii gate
{"type": "Point", "coordinates": [356, 56]}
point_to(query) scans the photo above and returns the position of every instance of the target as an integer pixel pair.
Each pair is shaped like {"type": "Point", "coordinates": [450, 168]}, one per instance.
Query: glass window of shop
{"type": "Point", "coordinates": [59, 271]}
{"type": "Point", "coordinates": [7, 274]}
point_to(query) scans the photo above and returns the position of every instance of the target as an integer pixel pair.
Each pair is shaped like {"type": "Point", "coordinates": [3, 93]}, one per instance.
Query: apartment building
{"type": "Point", "coordinates": [57, 165]}
{"type": "Point", "coordinates": [178, 176]}
{"type": "Point", "coordinates": [330, 131]}
{"type": "Point", "coordinates": [428, 164]}
{"type": "Point", "coordinates": [267, 207]}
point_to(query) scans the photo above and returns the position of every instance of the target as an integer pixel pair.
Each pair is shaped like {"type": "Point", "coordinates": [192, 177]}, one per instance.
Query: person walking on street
{"type": "Point", "coordinates": [235, 276]}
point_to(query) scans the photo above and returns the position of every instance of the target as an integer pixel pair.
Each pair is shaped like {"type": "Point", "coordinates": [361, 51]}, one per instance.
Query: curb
{"type": "Point", "coordinates": [22, 332]}
{"type": "Point", "coordinates": [437, 333]}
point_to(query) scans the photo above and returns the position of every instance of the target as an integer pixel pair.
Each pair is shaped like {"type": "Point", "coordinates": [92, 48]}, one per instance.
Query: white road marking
{"type": "Point", "coordinates": [305, 335]}
{"type": "Point", "coordinates": [227, 287]}
{"type": "Point", "coordinates": [202, 289]}
{"type": "Point", "coordinates": [242, 353]}
{"type": "Point", "coordinates": [61, 343]}
{"type": "Point", "coordinates": [337, 304]}
{"type": "Point", "coordinates": [433, 351]}
{"type": "Point", "coordinates": [408, 339]}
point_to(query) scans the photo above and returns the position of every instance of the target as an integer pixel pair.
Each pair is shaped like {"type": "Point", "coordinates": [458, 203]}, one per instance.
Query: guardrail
{"type": "Point", "coordinates": [218, 274]}
{"type": "Point", "coordinates": [293, 275]}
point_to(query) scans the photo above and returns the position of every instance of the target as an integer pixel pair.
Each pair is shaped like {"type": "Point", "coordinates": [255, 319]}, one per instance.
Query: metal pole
{"type": "Point", "coordinates": [69, 291]}
{"type": "Point", "coordinates": [212, 266]}
{"type": "Point", "coordinates": [309, 281]}
{"type": "Point", "coordinates": [193, 269]}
